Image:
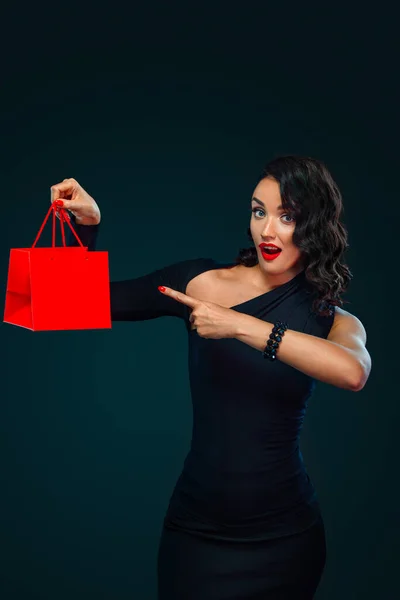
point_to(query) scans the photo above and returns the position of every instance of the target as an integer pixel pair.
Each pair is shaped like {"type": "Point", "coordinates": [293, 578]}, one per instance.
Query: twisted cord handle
{"type": "Point", "coordinates": [64, 218]}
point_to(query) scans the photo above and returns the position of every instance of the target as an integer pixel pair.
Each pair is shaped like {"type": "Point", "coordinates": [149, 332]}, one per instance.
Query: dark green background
{"type": "Point", "coordinates": [166, 115]}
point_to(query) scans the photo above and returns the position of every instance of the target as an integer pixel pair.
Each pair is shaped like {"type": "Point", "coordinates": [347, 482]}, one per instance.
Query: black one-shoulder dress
{"type": "Point", "coordinates": [243, 521]}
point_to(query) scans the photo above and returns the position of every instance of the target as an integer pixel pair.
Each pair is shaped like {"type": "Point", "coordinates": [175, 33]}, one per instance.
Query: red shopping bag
{"type": "Point", "coordinates": [58, 288]}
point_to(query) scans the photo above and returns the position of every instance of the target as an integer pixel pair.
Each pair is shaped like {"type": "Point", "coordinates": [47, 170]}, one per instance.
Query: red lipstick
{"type": "Point", "coordinates": [270, 251]}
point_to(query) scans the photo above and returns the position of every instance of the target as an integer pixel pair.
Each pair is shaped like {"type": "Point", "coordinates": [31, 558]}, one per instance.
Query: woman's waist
{"type": "Point", "coordinates": [244, 492]}
{"type": "Point", "coordinates": [249, 505]}
{"type": "Point", "coordinates": [236, 466]}
{"type": "Point", "coordinates": [269, 485]}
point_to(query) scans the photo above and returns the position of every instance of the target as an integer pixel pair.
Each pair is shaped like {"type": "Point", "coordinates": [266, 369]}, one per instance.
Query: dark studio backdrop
{"type": "Point", "coordinates": [166, 116]}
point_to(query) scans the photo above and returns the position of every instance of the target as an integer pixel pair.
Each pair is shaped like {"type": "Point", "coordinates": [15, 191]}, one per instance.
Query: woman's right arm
{"type": "Point", "coordinates": [136, 299]}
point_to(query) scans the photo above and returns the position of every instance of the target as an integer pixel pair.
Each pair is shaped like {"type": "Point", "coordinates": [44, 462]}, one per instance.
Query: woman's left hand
{"type": "Point", "coordinates": [211, 320]}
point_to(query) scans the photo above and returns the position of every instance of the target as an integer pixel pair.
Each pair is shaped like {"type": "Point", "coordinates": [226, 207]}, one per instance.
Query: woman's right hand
{"type": "Point", "coordinates": [76, 200]}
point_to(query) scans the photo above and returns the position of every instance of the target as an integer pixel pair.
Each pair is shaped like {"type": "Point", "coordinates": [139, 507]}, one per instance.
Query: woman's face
{"type": "Point", "coordinates": [269, 223]}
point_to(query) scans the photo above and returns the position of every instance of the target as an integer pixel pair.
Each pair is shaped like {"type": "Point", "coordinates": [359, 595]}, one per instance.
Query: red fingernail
{"type": "Point", "coordinates": [59, 203]}
{"type": "Point", "coordinates": [161, 288]}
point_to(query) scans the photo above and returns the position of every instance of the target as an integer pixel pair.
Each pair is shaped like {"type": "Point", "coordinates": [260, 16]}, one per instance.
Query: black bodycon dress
{"type": "Point", "coordinates": [243, 521]}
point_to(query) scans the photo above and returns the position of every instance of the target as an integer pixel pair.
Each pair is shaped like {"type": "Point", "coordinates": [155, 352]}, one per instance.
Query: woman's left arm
{"type": "Point", "coordinates": [341, 360]}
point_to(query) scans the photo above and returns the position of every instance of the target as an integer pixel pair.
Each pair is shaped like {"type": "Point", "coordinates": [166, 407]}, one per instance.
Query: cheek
{"type": "Point", "coordinates": [285, 235]}
{"type": "Point", "coordinates": [291, 249]}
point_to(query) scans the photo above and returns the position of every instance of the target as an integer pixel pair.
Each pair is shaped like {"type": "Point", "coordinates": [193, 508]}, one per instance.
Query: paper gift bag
{"type": "Point", "coordinates": [58, 288]}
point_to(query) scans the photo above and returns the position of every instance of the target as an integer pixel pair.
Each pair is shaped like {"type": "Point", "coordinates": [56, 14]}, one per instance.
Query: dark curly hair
{"type": "Point", "coordinates": [312, 198]}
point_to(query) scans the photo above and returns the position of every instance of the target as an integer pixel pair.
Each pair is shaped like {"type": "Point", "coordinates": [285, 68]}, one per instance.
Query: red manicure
{"type": "Point", "coordinates": [161, 288]}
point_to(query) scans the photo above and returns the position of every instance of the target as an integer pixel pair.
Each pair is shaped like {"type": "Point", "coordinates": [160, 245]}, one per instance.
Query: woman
{"type": "Point", "coordinates": [244, 521]}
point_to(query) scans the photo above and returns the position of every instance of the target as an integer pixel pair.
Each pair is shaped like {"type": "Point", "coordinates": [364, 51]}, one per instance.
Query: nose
{"type": "Point", "coordinates": [269, 229]}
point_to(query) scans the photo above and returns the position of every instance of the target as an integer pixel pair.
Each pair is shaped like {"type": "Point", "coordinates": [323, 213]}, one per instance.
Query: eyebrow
{"type": "Point", "coordinates": [280, 207]}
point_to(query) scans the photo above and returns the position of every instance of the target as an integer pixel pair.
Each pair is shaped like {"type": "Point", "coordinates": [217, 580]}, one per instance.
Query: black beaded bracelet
{"type": "Point", "coordinates": [275, 338]}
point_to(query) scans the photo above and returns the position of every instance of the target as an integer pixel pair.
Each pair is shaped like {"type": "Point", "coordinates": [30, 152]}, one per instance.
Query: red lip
{"type": "Point", "coordinates": [270, 256]}
{"type": "Point", "coordinates": [263, 245]}
{"type": "Point", "coordinates": [267, 256]}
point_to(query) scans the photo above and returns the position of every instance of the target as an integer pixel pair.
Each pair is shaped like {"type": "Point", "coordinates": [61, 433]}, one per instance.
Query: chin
{"type": "Point", "coordinates": [280, 268]}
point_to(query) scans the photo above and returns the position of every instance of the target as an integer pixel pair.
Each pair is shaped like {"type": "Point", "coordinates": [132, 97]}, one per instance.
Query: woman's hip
{"type": "Point", "coordinates": [198, 568]}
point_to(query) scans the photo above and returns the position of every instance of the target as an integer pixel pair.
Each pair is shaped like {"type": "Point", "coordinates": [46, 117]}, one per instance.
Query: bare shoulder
{"type": "Point", "coordinates": [226, 286]}
{"type": "Point", "coordinates": [204, 285]}
{"type": "Point", "coordinates": [345, 321]}
{"type": "Point", "coordinates": [201, 282]}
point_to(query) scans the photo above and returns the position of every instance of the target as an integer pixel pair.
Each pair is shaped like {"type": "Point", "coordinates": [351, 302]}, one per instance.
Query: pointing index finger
{"type": "Point", "coordinates": [179, 296]}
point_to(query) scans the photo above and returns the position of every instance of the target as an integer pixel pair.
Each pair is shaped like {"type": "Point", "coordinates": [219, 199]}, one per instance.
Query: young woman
{"type": "Point", "coordinates": [244, 520]}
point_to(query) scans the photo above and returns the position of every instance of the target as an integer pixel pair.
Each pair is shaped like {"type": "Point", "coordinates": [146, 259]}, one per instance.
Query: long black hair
{"type": "Point", "coordinates": [310, 195]}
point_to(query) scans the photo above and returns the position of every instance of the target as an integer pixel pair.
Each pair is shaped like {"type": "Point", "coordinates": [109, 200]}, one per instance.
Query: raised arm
{"type": "Point", "coordinates": [136, 299]}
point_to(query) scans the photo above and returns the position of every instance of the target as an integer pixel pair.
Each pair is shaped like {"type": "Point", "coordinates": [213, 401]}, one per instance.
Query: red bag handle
{"type": "Point", "coordinates": [64, 217]}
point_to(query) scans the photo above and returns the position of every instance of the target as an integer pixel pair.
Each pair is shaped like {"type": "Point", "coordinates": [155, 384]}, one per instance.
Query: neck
{"type": "Point", "coordinates": [269, 281]}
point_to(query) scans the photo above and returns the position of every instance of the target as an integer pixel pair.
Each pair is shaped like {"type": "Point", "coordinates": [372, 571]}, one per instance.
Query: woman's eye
{"type": "Point", "coordinates": [256, 210]}
{"type": "Point", "coordinates": [289, 218]}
